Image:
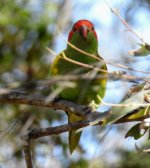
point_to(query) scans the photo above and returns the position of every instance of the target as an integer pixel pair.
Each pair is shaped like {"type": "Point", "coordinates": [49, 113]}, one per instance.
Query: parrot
{"type": "Point", "coordinates": [86, 91]}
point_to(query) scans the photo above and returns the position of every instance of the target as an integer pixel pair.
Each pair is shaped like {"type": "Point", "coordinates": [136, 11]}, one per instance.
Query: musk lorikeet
{"type": "Point", "coordinates": [85, 92]}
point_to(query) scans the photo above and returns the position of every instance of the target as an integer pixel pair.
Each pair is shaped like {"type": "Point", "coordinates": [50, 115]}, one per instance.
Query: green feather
{"type": "Point", "coordinates": [86, 91]}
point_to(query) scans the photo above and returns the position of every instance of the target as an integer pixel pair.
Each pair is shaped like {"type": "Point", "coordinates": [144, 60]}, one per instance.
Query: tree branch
{"type": "Point", "coordinates": [20, 97]}
{"type": "Point", "coordinates": [89, 117]}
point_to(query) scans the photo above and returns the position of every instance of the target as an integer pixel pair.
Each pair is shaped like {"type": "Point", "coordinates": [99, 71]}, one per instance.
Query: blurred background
{"type": "Point", "coordinates": [27, 27]}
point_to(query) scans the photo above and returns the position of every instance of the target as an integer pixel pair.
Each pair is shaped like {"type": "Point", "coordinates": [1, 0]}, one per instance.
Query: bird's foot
{"type": "Point", "coordinates": [93, 105]}
{"type": "Point", "coordinates": [87, 109]}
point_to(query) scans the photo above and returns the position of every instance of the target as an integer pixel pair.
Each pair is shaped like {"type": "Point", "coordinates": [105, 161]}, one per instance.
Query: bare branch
{"type": "Point", "coordinates": [37, 133]}
{"type": "Point", "coordinates": [19, 97]}
{"type": "Point", "coordinates": [116, 12]}
{"type": "Point", "coordinates": [27, 152]}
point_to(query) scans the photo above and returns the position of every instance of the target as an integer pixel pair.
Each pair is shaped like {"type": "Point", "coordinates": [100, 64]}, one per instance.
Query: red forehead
{"type": "Point", "coordinates": [83, 22]}
{"type": "Point", "coordinates": [80, 23]}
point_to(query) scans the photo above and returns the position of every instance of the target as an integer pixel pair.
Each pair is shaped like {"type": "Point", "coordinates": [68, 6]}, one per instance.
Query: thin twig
{"type": "Point", "coordinates": [112, 75]}
{"type": "Point", "coordinates": [125, 23]}
{"type": "Point", "coordinates": [101, 60]}
{"type": "Point", "coordinates": [128, 77]}
{"type": "Point", "coordinates": [123, 105]}
{"type": "Point", "coordinates": [82, 64]}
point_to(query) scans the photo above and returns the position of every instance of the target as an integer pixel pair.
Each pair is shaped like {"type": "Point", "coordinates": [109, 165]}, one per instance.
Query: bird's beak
{"type": "Point", "coordinates": [83, 31]}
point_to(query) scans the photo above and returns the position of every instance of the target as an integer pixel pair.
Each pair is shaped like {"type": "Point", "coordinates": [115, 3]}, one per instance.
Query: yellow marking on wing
{"type": "Point", "coordinates": [54, 70]}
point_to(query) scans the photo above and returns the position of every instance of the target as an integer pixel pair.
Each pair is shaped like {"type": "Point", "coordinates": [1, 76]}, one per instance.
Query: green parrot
{"type": "Point", "coordinates": [87, 91]}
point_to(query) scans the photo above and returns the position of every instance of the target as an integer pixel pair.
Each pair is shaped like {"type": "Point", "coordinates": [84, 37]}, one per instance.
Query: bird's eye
{"type": "Point", "coordinates": [92, 28]}
{"type": "Point", "coordinates": [74, 29]}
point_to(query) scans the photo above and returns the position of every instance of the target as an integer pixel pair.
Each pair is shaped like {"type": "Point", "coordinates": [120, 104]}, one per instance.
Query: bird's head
{"type": "Point", "coordinates": [82, 29]}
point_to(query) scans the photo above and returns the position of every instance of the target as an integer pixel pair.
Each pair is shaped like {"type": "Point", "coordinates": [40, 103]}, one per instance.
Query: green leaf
{"type": "Point", "coordinates": [119, 112]}
{"type": "Point", "coordinates": [131, 108]}
{"type": "Point", "coordinates": [144, 50]}
{"type": "Point", "coordinates": [135, 132]}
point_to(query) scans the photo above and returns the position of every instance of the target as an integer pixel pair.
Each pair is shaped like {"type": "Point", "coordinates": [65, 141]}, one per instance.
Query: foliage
{"type": "Point", "coordinates": [133, 159]}
{"type": "Point", "coordinates": [25, 32]}
{"type": "Point", "coordinates": [26, 29]}
{"type": "Point", "coordinates": [144, 50]}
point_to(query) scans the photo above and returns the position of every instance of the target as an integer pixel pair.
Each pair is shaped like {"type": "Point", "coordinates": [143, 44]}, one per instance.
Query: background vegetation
{"type": "Point", "coordinates": [27, 27]}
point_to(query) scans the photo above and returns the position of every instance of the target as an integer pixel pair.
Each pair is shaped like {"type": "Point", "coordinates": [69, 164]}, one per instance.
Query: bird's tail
{"type": "Point", "coordinates": [74, 135]}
